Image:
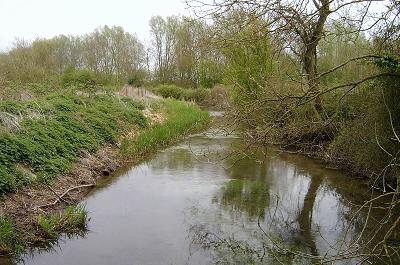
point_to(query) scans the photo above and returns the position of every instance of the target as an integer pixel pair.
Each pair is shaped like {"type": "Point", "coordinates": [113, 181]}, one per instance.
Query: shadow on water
{"type": "Point", "coordinates": [212, 199]}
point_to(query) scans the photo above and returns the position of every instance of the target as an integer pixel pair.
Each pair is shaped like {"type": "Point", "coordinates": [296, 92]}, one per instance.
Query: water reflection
{"type": "Point", "coordinates": [292, 205]}
{"type": "Point", "coordinates": [250, 197]}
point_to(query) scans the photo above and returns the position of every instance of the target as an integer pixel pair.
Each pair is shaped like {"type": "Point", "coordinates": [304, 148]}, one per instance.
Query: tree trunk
{"type": "Point", "coordinates": [311, 40]}
{"type": "Point", "coordinates": [310, 67]}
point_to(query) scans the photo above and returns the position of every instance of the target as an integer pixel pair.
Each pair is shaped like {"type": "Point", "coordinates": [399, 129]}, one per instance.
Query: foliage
{"type": "Point", "coordinates": [210, 73]}
{"type": "Point", "coordinates": [199, 95]}
{"type": "Point", "coordinates": [109, 52]}
{"type": "Point", "coordinates": [181, 55]}
{"type": "Point", "coordinates": [14, 240]}
{"type": "Point", "coordinates": [272, 100]}
{"type": "Point", "coordinates": [137, 79]}
{"type": "Point", "coordinates": [55, 129]}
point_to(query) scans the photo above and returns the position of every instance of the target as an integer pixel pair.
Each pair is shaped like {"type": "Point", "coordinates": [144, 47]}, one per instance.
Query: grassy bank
{"type": "Point", "coordinates": [45, 139]}
{"type": "Point", "coordinates": [182, 118]}
{"type": "Point", "coordinates": [42, 138]}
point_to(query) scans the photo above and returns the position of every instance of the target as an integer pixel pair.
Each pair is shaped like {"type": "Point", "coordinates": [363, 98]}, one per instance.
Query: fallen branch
{"type": "Point", "coordinates": [60, 198]}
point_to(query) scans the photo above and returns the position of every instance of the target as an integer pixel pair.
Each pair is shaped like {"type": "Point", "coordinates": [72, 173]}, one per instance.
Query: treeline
{"type": "Point", "coordinates": [177, 55]}
{"type": "Point", "coordinates": [108, 52]}
{"type": "Point", "coordinates": [181, 53]}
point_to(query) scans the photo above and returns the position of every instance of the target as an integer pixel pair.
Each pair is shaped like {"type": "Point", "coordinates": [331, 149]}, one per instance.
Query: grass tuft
{"type": "Point", "coordinates": [73, 220]}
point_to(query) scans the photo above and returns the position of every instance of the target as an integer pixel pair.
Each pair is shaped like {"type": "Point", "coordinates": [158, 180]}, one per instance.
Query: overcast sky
{"type": "Point", "coordinates": [29, 19]}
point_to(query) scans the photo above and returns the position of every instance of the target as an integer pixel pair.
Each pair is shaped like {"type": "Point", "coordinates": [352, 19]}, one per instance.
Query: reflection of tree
{"type": "Point", "coordinates": [248, 164]}
{"type": "Point", "coordinates": [250, 197]}
{"type": "Point", "coordinates": [248, 191]}
{"type": "Point", "coordinates": [305, 216]}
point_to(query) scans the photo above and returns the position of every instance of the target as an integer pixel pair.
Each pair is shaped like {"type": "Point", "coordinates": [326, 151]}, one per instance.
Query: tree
{"type": "Point", "coordinates": [298, 25]}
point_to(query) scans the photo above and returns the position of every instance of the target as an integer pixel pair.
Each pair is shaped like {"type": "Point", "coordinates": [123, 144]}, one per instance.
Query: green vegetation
{"type": "Point", "coordinates": [79, 78]}
{"type": "Point", "coordinates": [198, 95]}
{"type": "Point", "coordinates": [345, 110]}
{"type": "Point", "coordinates": [45, 136]}
{"type": "Point", "coordinates": [42, 137]}
{"type": "Point", "coordinates": [16, 240]}
{"type": "Point", "coordinates": [73, 220]}
{"type": "Point", "coordinates": [10, 238]}
{"type": "Point", "coordinates": [169, 91]}
{"type": "Point", "coordinates": [182, 118]}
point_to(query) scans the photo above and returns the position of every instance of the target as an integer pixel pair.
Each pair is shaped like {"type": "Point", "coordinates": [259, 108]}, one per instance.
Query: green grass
{"type": "Point", "coordinates": [10, 237]}
{"type": "Point", "coordinates": [14, 240]}
{"type": "Point", "coordinates": [182, 118]}
{"type": "Point", "coordinates": [73, 220]}
{"type": "Point", "coordinates": [46, 136]}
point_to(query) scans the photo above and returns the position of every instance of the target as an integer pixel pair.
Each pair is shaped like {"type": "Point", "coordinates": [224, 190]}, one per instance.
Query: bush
{"type": "Point", "coordinates": [80, 79]}
{"type": "Point", "coordinates": [198, 95]}
{"type": "Point", "coordinates": [170, 91]}
{"type": "Point", "coordinates": [73, 220]}
{"type": "Point", "coordinates": [137, 79]}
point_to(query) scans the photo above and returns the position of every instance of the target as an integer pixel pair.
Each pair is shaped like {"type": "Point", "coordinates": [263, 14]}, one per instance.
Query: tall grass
{"type": "Point", "coordinates": [182, 118]}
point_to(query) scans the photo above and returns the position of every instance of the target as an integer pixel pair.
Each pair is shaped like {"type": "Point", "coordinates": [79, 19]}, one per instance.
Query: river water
{"type": "Point", "coordinates": [212, 199]}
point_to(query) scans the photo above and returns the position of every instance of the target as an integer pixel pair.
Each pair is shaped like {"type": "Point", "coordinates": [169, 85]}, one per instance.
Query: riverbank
{"type": "Point", "coordinates": [54, 157]}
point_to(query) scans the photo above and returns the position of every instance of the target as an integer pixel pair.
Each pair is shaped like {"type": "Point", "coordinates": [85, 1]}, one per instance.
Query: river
{"type": "Point", "coordinates": [212, 199]}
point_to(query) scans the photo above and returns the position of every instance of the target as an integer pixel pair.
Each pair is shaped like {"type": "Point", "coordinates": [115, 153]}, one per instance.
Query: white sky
{"type": "Point", "coordinates": [28, 19]}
